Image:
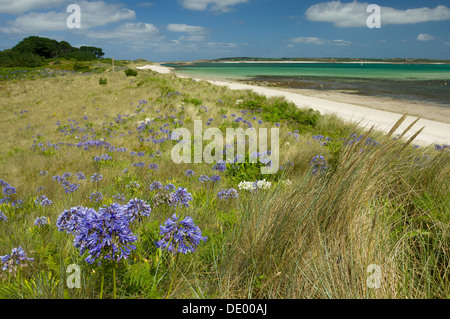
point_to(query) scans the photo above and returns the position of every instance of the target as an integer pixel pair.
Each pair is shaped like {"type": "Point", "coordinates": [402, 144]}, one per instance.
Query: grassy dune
{"type": "Point", "coordinates": [379, 200]}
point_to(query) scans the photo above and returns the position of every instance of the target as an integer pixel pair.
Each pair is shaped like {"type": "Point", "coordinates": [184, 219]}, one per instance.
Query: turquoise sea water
{"type": "Point", "coordinates": [407, 81]}
{"type": "Point", "coordinates": [341, 70]}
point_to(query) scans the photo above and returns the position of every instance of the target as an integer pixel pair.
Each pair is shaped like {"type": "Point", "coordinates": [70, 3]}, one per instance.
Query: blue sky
{"type": "Point", "coordinates": [174, 30]}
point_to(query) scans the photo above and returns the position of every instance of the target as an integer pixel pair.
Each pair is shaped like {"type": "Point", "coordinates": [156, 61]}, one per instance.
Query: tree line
{"type": "Point", "coordinates": [33, 52]}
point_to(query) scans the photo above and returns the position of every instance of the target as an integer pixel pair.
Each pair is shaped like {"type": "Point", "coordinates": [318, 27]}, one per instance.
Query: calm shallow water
{"type": "Point", "coordinates": [406, 81]}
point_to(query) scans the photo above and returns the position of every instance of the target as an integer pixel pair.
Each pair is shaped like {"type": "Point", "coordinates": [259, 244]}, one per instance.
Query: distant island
{"type": "Point", "coordinates": [316, 60]}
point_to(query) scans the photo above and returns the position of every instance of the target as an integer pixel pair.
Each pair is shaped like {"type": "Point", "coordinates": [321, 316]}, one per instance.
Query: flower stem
{"type": "Point", "coordinates": [101, 287]}
{"type": "Point", "coordinates": [114, 281]}
{"type": "Point", "coordinates": [173, 259]}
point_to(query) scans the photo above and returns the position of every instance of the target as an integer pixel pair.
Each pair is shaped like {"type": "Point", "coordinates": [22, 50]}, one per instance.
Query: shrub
{"type": "Point", "coordinates": [130, 72]}
{"type": "Point", "coordinates": [103, 81]}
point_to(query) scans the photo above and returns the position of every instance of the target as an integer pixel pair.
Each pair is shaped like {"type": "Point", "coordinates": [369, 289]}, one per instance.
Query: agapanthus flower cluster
{"type": "Point", "coordinates": [180, 197]}
{"type": "Point", "coordinates": [228, 193]}
{"type": "Point", "coordinates": [319, 164]}
{"type": "Point", "coordinates": [96, 197]}
{"type": "Point", "coordinates": [96, 177]}
{"type": "Point", "coordinates": [254, 186]}
{"type": "Point", "coordinates": [70, 220]}
{"type": "Point", "coordinates": [104, 157]}
{"type": "Point", "coordinates": [180, 236]}
{"type": "Point", "coordinates": [8, 191]}
{"type": "Point", "coordinates": [137, 209]}
{"type": "Point", "coordinates": [189, 173]}
{"type": "Point", "coordinates": [156, 185]}
{"type": "Point", "coordinates": [17, 258]}
{"type": "Point", "coordinates": [105, 235]}
{"type": "Point", "coordinates": [43, 201]}
{"type": "Point", "coordinates": [65, 183]}
{"type": "Point", "coordinates": [80, 176]}
{"type": "Point", "coordinates": [220, 166]}
{"type": "Point", "coordinates": [41, 221]}
{"type": "Point", "coordinates": [3, 217]}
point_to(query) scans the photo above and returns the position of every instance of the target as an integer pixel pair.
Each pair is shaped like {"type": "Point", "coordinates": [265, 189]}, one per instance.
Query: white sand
{"type": "Point", "coordinates": [433, 132]}
{"type": "Point", "coordinates": [156, 68]}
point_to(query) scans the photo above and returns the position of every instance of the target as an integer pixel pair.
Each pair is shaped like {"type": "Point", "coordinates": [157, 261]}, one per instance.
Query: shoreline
{"type": "Point", "coordinates": [359, 109]}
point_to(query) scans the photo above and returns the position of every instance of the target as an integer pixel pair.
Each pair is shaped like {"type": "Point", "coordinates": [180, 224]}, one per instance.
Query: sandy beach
{"type": "Point", "coordinates": [382, 113]}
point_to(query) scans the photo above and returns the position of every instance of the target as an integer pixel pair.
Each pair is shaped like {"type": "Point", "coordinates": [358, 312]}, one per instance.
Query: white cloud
{"type": "Point", "coordinates": [341, 42]}
{"type": "Point", "coordinates": [213, 5]}
{"type": "Point", "coordinates": [308, 40]}
{"type": "Point", "coordinates": [317, 41]}
{"type": "Point", "coordinates": [21, 6]}
{"type": "Point", "coordinates": [354, 14]}
{"type": "Point", "coordinates": [93, 14]}
{"type": "Point", "coordinates": [191, 29]}
{"type": "Point", "coordinates": [130, 32]}
{"type": "Point", "coordinates": [425, 37]}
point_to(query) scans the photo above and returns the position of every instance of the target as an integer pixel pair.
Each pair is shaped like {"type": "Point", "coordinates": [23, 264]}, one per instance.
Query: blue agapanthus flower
{"type": "Point", "coordinates": [180, 236]}
{"type": "Point", "coordinates": [17, 258]}
{"type": "Point", "coordinates": [105, 234]}
{"type": "Point", "coordinates": [156, 185]}
{"type": "Point", "coordinates": [137, 208]}
{"type": "Point", "coordinates": [189, 173]}
{"type": "Point", "coordinates": [319, 164]}
{"type": "Point", "coordinates": [228, 193]}
{"type": "Point", "coordinates": [180, 196]}
{"type": "Point", "coordinates": [96, 197]}
{"type": "Point", "coordinates": [3, 217]}
{"type": "Point", "coordinates": [43, 201]}
{"type": "Point", "coordinates": [215, 178]}
{"type": "Point", "coordinates": [70, 220]}
{"type": "Point", "coordinates": [221, 166]}
{"type": "Point", "coordinates": [41, 221]}
{"type": "Point", "coordinates": [169, 187]}
{"type": "Point", "coordinates": [96, 177]}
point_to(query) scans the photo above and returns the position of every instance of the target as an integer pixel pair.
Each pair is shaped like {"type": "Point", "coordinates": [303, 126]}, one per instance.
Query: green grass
{"type": "Point", "coordinates": [308, 236]}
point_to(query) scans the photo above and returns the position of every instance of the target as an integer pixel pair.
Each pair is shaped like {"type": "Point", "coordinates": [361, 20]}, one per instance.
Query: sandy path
{"type": "Point", "coordinates": [433, 132]}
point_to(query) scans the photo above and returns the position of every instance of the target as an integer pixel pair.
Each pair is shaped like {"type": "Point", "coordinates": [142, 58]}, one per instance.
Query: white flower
{"type": "Point", "coordinates": [253, 186]}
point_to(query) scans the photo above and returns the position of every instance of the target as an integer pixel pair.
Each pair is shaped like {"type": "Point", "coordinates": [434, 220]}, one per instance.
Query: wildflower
{"type": "Point", "coordinates": [319, 164]}
{"type": "Point", "coordinates": [253, 186]}
{"type": "Point", "coordinates": [169, 187]}
{"type": "Point", "coordinates": [215, 178]}
{"type": "Point", "coordinates": [221, 167]}
{"type": "Point", "coordinates": [137, 208]}
{"type": "Point", "coordinates": [180, 236]}
{"type": "Point", "coordinates": [105, 234]}
{"type": "Point", "coordinates": [153, 166]}
{"type": "Point", "coordinates": [43, 201]}
{"type": "Point", "coordinates": [203, 178]}
{"type": "Point", "coordinates": [80, 176]}
{"type": "Point", "coordinates": [181, 196]}
{"type": "Point", "coordinates": [140, 164]}
{"type": "Point", "coordinates": [43, 173]}
{"type": "Point", "coordinates": [17, 258]}
{"type": "Point", "coordinates": [119, 197]}
{"type": "Point", "coordinates": [189, 173]}
{"type": "Point", "coordinates": [69, 221]}
{"type": "Point", "coordinates": [8, 190]}
{"type": "Point", "coordinates": [41, 221]}
{"type": "Point", "coordinates": [96, 197]}
{"type": "Point", "coordinates": [96, 177]}
{"type": "Point", "coordinates": [156, 185]}
{"type": "Point", "coordinates": [3, 217]}
{"type": "Point", "coordinates": [228, 193]}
